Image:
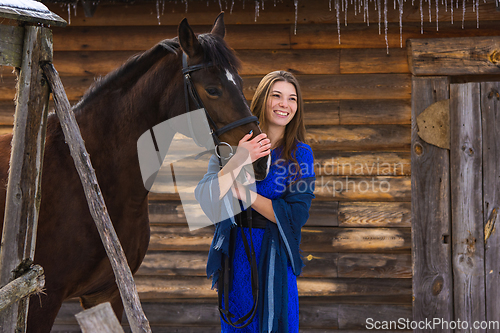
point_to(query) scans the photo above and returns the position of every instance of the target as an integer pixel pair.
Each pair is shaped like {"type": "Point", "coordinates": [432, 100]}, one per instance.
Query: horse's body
{"type": "Point", "coordinates": [112, 116]}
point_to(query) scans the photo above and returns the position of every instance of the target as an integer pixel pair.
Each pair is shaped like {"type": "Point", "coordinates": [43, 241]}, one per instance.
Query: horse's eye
{"type": "Point", "coordinates": [214, 92]}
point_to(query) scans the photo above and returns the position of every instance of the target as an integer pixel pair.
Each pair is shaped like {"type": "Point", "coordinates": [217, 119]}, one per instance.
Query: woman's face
{"type": "Point", "coordinates": [281, 104]}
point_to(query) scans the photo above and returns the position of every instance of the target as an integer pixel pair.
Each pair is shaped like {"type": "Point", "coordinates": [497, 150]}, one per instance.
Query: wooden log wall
{"type": "Point", "coordinates": [357, 243]}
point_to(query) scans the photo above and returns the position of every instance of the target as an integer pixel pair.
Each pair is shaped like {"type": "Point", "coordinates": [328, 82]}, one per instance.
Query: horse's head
{"type": "Point", "coordinates": [216, 81]}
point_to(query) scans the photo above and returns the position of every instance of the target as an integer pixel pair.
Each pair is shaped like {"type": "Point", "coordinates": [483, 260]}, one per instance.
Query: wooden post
{"type": "Point", "coordinates": [24, 187]}
{"type": "Point", "coordinates": [490, 111]}
{"type": "Point", "coordinates": [25, 285]}
{"type": "Point", "coordinates": [431, 221]}
{"type": "Point", "coordinates": [99, 319]}
{"type": "Point", "coordinates": [124, 279]}
{"type": "Point", "coordinates": [466, 203]}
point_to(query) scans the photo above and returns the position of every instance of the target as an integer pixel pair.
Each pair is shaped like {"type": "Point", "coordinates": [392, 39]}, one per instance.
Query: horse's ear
{"type": "Point", "coordinates": [187, 39]}
{"type": "Point", "coordinates": [219, 28]}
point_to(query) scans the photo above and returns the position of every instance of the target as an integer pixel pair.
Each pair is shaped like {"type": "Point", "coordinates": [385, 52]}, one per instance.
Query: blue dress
{"type": "Point", "coordinates": [240, 295]}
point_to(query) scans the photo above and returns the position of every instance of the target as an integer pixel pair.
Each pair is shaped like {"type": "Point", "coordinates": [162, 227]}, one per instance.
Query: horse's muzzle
{"type": "Point", "coordinates": [261, 167]}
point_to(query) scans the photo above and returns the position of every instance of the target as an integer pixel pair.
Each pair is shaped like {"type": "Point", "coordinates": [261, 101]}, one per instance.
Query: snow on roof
{"type": "Point", "coordinates": [25, 4]}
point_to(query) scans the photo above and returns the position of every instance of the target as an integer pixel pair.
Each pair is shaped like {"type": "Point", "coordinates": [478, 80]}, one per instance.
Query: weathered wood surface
{"type": "Point", "coordinates": [466, 203]}
{"type": "Point", "coordinates": [314, 87]}
{"type": "Point", "coordinates": [317, 265]}
{"type": "Point", "coordinates": [490, 116]}
{"type": "Point", "coordinates": [375, 163]}
{"type": "Point", "coordinates": [24, 183]}
{"type": "Point", "coordinates": [140, 38]}
{"type": "Point", "coordinates": [165, 287]}
{"type": "Point", "coordinates": [375, 214]}
{"type": "Point", "coordinates": [324, 36]}
{"type": "Point", "coordinates": [204, 313]}
{"type": "Point", "coordinates": [454, 56]}
{"type": "Point", "coordinates": [322, 213]}
{"type": "Point", "coordinates": [431, 220]}
{"type": "Point", "coordinates": [27, 284]}
{"type": "Point", "coordinates": [11, 45]}
{"type": "Point", "coordinates": [309, 12]}
{"type": "Point", "coordinates": [365, 61]}
{"type": "Point", "coordinates": [97, 207]}
{"type": "Point", "coordinates": [99, 319]}
{"type": "Point", "coordinates": [314, 239]}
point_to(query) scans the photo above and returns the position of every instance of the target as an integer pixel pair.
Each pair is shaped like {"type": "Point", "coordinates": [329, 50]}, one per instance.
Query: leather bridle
{"type": "Point", "coordinates": [190, 92]}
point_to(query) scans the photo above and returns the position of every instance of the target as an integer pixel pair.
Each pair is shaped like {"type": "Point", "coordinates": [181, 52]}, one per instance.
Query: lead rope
{"type": "Point", "coordinates": [245, 320]}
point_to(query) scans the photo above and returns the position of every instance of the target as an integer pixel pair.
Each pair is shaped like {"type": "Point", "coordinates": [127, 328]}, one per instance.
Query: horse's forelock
{"type": "Point", "coordinates": [218, 53]}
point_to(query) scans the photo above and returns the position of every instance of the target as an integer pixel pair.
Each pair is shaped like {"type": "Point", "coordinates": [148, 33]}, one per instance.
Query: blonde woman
{"type": "Point", "coordinates": [279, 207]}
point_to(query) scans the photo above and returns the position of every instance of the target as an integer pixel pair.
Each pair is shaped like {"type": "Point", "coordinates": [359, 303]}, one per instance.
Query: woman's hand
{"type": "Point", "coordinates": [240, 189]}
{"type": "Point", "coordinates": [249, 151]}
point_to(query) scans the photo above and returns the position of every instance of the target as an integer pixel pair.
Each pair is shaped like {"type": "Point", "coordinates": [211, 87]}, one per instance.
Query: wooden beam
{"type": "Point", "coordinates": [490, 109]}
{"type": "Point", "coordinates": [466, 203]}
{"type": "Point", "coordinates": [11, 45]}
{"type": "Point", "coordinates": [454, 56]}
{"type": "Point", "coordinates": [430, 213]}
{"type": "Point", "coordinates": [374, 214]}
{"type": "Point", "coordinates": [137, 320]}
{"type": "Point", "coordinates": [99, 319]}
{"type": "Point", "coordinates": [24, 184]}
{"type": "Point", "coordinates": [27, 284]}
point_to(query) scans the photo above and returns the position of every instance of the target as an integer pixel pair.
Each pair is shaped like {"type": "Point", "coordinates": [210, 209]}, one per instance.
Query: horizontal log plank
{"type": "Point", "coordinates": [356, 240]}
{"type": "Point", "coordinates": [378, 111]}
{"type": "Point", "coordinates": [358, 316]}
{"type": "Point", "coordinates": [322, 213]}
{"type": "Point", "coordinates": [317, 264]}
{"type": "Point", "coordinates": [335, 163]}
{"type": "Point", "coordinates": [353, 87]}
{"type": "Point", "coordinates": [140, 38]}
{"type": "Point", "coordinates": [323, 36]}
{"type": "Point", "coordinates": [374, 265]}
{"type": "Point", "coordinates": [314, 239]}
{"type": "Point", "coordinates": [352, 138]}
{"type": "Point", "coordinates": [347, 188]}
{"type": "Point", "coordinates": [204, 313]}
{"type": "Point", "coordinates": [375, 214]}
{"type": "Point", "coordinates": [454, 56]}
{"type": "Point", "coordinates": [153, 287]}
{"type": "Point", "coordinates": [314, 87]}
{"type": "Point", "coordinates": [364, 61]}
{"type": "Point", "coordinates": [318, 112]}
{"type": "Point", "coordinates": [199, 12]}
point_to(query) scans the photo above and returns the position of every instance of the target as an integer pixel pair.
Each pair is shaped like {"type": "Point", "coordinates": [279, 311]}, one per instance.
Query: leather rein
{"type": "Point", "coordinates": [191, 93]}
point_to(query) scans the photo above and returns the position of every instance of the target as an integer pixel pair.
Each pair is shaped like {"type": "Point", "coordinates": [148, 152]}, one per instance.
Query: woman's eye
{"type": "Point", "coordinates": [215, 92]}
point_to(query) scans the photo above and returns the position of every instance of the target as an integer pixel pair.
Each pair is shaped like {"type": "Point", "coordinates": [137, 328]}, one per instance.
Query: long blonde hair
{"type": "Point", "coordinates": [295, 130]}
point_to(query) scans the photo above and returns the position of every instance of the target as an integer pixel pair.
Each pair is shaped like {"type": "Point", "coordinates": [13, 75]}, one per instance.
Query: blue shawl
{"type": "Point", "coordinates": [280, 244]}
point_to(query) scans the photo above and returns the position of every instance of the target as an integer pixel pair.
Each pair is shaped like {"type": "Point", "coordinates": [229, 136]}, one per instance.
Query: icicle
{"type": "Point", "coordinates": [274, 3]}
{"type": "Point", "coordinates": [446, 6]}
{"type": "Point", "coordinates": [394, 4]}
{"type": "Point", "coordinates": [243, 4]}
{"type": "Point", "coordinates": [385, 25]}
{"type": "Point", "coordinates": [346, 6]}
{"type": "Point", "coordinates": [421, 18]}
{"type": "Point", "coordinates": [232, 5]}
{"type": "Point", "coordinates": [158, 11]}
{"type": "Point", "coordinates": [330, 5]}
{"type": "Point", "coordinates": [257, 8]}
{"type": "Point", "coordinates": [477, 13]}
{"type": "Point", "coordinates": [400, 23]}
{"type": "Point", "coordinates": [296, 4]}
{"type": "Point", "coordinates": [262, 4]}
{"type": "Point", "coordinates": [379, 17]}
{"type": "Point", "coordinates": [430, 14]}
{"type": "Point", "coordinates": [413, 2]}
{"type": "Point", "coordinates": [437, 16]}
{"type": "Point", "coordinates": [74, 9]}
{"type": "Point", "coordinates": [69, 13]}
{"type": "Point", "coordinates": [451, 9]}
{"type": "Point", "coordinates": [338, 17]}
{"type": "Point", "coordinates": [463, 13]}
{"type": "Point", "coordinates": [220, 5]}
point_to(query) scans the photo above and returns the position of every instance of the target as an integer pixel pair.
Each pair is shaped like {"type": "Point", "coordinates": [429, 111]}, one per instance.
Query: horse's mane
{"type": "Point", "coordinates": [214, 48]}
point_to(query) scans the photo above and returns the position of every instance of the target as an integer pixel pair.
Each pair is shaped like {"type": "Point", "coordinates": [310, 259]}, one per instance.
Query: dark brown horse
{"type": "Point", "coordinates": [145, 91]}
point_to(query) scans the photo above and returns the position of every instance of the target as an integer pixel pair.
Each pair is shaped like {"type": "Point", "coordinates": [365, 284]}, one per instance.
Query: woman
{"type": "Point", "coordinates": [280, 207]}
